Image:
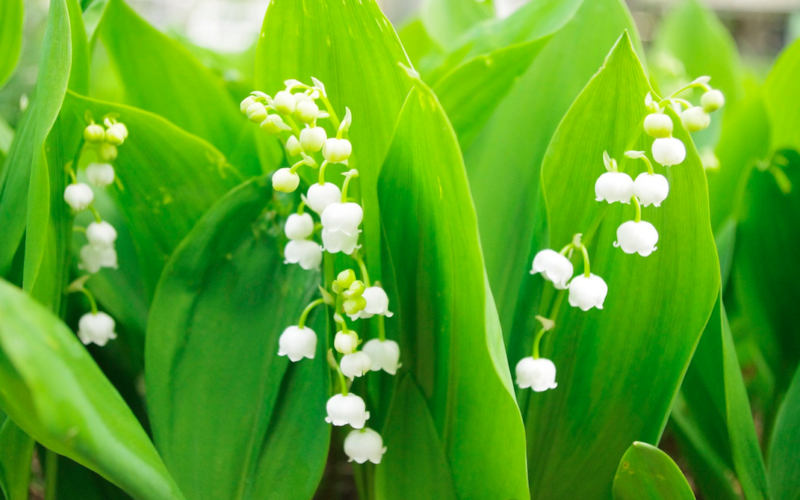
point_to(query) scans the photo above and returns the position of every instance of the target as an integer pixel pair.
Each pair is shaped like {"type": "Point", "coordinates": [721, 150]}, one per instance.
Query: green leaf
{"type": "Point", "coordinates": [647, 472]}
{"type": "Point", "coordinates": [783, 102]}
{"type": "Point", "coordinates": [445, 313]}
{"type": "Point", "coordinates": [717, 400]}
{"type": "Point", "coordinates": [11, 17]}
{"type": "Point", "coordinates": [419, 45]}
{"type": "Point", "coordinates": [232, 419]}
{"type": "Point", "coordinates": [784, 469]}
{"type": "Point", "coordinates": [620, 367]}
{"type": "Point", "coordinates": [504, 160]}
{"type": "Point", "coordinates": [53, 389]}
{"type": "Point", "coordinates": [16, 453]}
{"type": "Point", "coordinates": [471, 93]}
{"type": "Point", "coordinates": [447, 20]}
{"type": "Point", "coordinates": [353, 49]}
{"type": "Point", "coordinates": [26, 159]}
{"type": "Point", "coordinates": [169, 179]}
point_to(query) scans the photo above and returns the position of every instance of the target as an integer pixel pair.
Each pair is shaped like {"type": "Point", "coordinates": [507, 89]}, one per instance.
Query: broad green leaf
{"type": "Point", "coordinates": [647, 472]}
{"type": "Point", "coordinates": [418, 44]}
{"type": "Point", "coordinates": [784, 468]}
{"type": "Point", "coordinates": [6, 137]}
{"type": "Point", "coordinates": [447, 20]}
{"type": "Point", "coordinates": [159, 75]}
{"type": "Point", "coordinates": [169, 179]}
{"type": "Point", "coordinates": [692, 36]}
{"type": "Point", "coordinates": [353, 49]}
{"type": "Point", "coordinates": [445, 313]}
{"type": "Point", "coordinates": [716, 399]}
{"type": "Point", "coordinates": [76, 482]}
{"type": "Point", "coordinates": [233, 419]}
{"type": "Point", "coordinates": [11, 17]}
{"type": "Point", "coordinates": [504, 160]}
{"type": "Point", "coordinates": [471, 92]}
{"type": "Point", "coordinates": [27, 155]}
{"type": "Point", "coordinates": [620, 367]}
{"type": "Point", "coordinates": [52, 388]}
{"type": "Point", "coordinates": [782, 100]}
{"type": "Point", "coordinates": [16, 452]}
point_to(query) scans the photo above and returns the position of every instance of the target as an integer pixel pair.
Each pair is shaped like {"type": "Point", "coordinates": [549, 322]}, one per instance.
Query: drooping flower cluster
{"type": "Point", "coordinates": [99, 251]}
{"type": "Point", "coordinates": [633, 237]}
{"type": "Point", "coordinates": [295, 117]}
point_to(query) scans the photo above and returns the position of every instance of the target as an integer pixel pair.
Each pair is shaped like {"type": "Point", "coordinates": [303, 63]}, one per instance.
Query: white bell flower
{"type": "Point", "coordinates": [96, 328]}
{"type": "Point", "coordinates": [347, 410]}
{"type": "Point", "coordinates": [346, 343]}
{"type": "Point", "coordinates": [100, 174]}
{"type": "Point", "coordinates": [307, 253]}
{"type": "Point", "coordinates": [94, 133]}
{"type": "Point", "coordinates": [319, 196]}
{"type": "Point", "coordinates": [364, 444]}
{"type": "Point", "coordinates": [337, 150]}
{"type": "Point", "coordinates": [285, 181]}
{"type": "Point", "coordinates": [297, 343]}
{"type": "Point", "coordinates": [339, 241]}
{"type": "Point", "coordinates": [695, 119]}
{"type": "Point", "coordinates": [377, 303]}
{"type": "Point", "coordinates": [669, 151]}
{"type": "Point", "coordinates": [284, 102]}
{"type": "Point", "coordinates": [712, 100]}
{"type": "Point", "coordinates": [307, 110]}
{"type": "Point", "coordinates": [355, 365]}
{"type": "Point", "coordinates": [385, 355]}
{"type": "Point", "coordinates": [587, 292]}
{"type": "Point", "coordinates": [116, 134]}
{"type": "Point", "coordinates": [78, 196]}
{"type": "Point", "coordinates": [93, 258]}
{"type": "Point", "coordinates": [312, 139]}
{"type": "Point", "coordinates": [651, 189]}
{"type": "Point", "coordinates": [299, 226]}
{"type": "Point", "coordinates": [637, 237]}
{"type": "Point", "coordinates": [293, 146]}
{"type": "Point", "coordinates": [614, 186]}
{"type": "Point", "coordinates": [256, 112]}
{"type": "Point", "coordinates": [344, 217]}
{"type": "Point", "coordinates": [246, 102]}
{"type": "Point", "coordinates": [274, 124]}
{"type": "Point", "coordinates": [101, 234]}
{"type": "Point", "coordinates": [538, 374]}
{"type": "Point", "coordinates": [658, 125]}
{"type": "Point", "coordinates": [554, 267]}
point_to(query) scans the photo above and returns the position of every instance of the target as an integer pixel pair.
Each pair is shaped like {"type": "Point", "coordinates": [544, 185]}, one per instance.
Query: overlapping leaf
{"type": "Point", "coordinates": [447, 20]}
{"type": "Point", "coordinates": [232, 418]}
{"type": "Point", "coordinates": [10, 37]}
{"type": "Point", "coordinates": [16, 452]}
{"type": "Point", "coordinates": [783, 103]}
{"type": "Point", "coordinates": [784, 469]}
{"type": "Point", "coordinates": [647, 472]}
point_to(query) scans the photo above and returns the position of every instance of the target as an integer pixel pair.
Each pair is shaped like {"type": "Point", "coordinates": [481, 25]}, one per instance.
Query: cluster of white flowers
{"type": "Point", "coordinates": [339, 224]}
{"type": "Point", "coordinates": [99, 251]}
{"type": "Point", "coordinates": [635, 236]}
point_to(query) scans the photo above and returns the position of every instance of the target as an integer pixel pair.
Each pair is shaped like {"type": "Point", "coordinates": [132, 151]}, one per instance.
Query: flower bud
{"type": "Point", "coordinates": [274, 125]}
{"type": "Point", "coordinates": [246, 103]}
{"type": "Point", "coordinates": [299, 226]}
{"type": "Point", "coordinates": [78, 196]}
{"type": "Point", "coordinates": [538, 374]}
{"type": "Point", "coordinates": [101, 234]}
{"type": "Point", "coordinates": [695, 119]}
{"type": "Point", "coordinates": [344, 280]}
{"type": "Point", "coordinates": [284, 102]}
{"type": "Point", "coordinates": [107, 152]}
{"type": "Point", "coordinates": [356, 289]}
{"type": "Point", "coordinates": [320, 196]}
{"type": "Point", "coordinates": [385, 355]}
{"type": "Point", "coordinates": [312, 139]}
{"type": "Point", "coordinates": [256, 112]}
{"type": "Point", "coordinates": [354, 305]}
{"type": "Point", "coordinates": [306, 111]}
{"type": "Point", "coordinates": [345, 343]}
{"type": "Point", "coordinates": [554, 267]}
{"type": "Point", "coordinates": [116, 134]}
{"type": "Point", "coordinates": [100, 174]}
{"type": "Point", "coordinates": [669, 151]}
{"type": "Point", "coordinates": [651, 189]}
{"type": "Point", "coordinates": [307, 253]}
{"type": "Point", "coordinates": [297, 343]}
{"type": "Point", "coordinates": [658, 125]}
{"type": "Point", "coordinates": [587, 292]}
{"type": "Point", "coordinates": [377, 304]}
{"type": "Point", "coordinates": [96, 328]}
{"type": "Point", "coordinates": [355, 365]}
{"type": "Point", "coordinates": [285, 181]}
{"type": "Point", "coordinates": [613, 187]}
{"type": "Point", "coordinates": [94, 133]}
{"type": "Point", "coordinates": [637, 237]}
{"type": "Point", "coordinates": [337, 150]}
{"type": "Point", "coordinates": [712, 100]}
{"type": "Point", "coordinates": [347, 410]}
{"type": "Point", "coordinates": [363, 445]}
{"type": "Point", "coordinates": [293, 146]}
{"type": "Point", "coordinates": [93, 258]}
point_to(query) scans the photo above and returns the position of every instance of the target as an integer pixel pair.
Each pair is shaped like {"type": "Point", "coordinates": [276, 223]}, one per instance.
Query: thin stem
{"type": "Point", "coordinates": [646, 160]}
{"type": "Point", "coordinates": [587, 270]}
{"type": "Point", "coordinates": [381, 328]}
{"type": "Point", "coordinates": [334, 118]}
{"type": "Point", "coordinates": [297, 165]}
{"type": "Point", "coordinates": [638, 209]}
{"type": "Point", "coordinates": [348, 177]}
{"type": "Point", "coordinates": [97, 217]}
{"type": "Point", "coordinates": [71, 173]}
{"type": "Point", "coordinates": [536, 342]}
{"type": "Point", "coordinates": [342, 380]}
{"type": "Point", "coordinates": [79, 229]}
{"type": "Point", "coordinates": [90, 296]}
{"type": "Point", "coordinates": [566, 249]}
{"type": "Point", "coordinates": [301, 207]}
{"type": "Point", "coordinates": [363, 267]}
{"type": "Point", "coordinates": [302, 322]}
{"type": "Point", "coordinates": [322, 172]}
{"type": "Point", "coordinates": [688, 86]}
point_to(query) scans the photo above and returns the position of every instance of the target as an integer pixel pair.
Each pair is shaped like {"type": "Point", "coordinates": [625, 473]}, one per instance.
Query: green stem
{"type": "Point", "coordinates": [381, 328]}
{"type": "Point", "coordinates": [334, 118]}
{"type": "Point", "coordinates": [302, 322]}
{"type": "Point", "coordinates": [97, 217]}
{"type": "Point", "coordinates": [566, 249]}
{"type": "Point", "coordinates": [293, 124]}
{"type": "Point", "coordinates": [322, 172]}
{"type": "Point", "coordinates": [71, 173]}
{"type": "Point", "coordinates": [346, 185]}
{"type": "Point", "coordinates": [363, 267]}
{"type": "Point", "coordinates": [342, 380]}
{"type": "Point", "coordinates": [638, 209]}
{"type": "Point", "coordinates": [553, 314]}
{"type": "Point", "coordinates": [301, 207]}
{"type": "Point", "coordinates": [646, 160]}
{"type": "Point", "coordinates": [536, 342]}
{"type": "Point", "coordinates": [297, 165]}
{"type": "Point", "coordinates": [587, 270]}
{"type": "Point", "coordinates": [686, 87]}
{"type": "Point", "coordinates": [79, 229]}
{"type": "Point", "coordinates": [92, 301]}
{"type": "Point", "coordinates": [51, 474]}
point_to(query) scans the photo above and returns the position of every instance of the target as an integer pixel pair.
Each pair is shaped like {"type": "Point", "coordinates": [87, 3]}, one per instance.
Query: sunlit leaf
{"type": "Point", "coordinates": [10, 37]}
{"type": "Point", "coordinates": [16, 452]}
{"type": "Point", "coordinates": [447, 20]}
{"type": "Point", "coordinates": [647, 472]}
{"type": "Point", "coordinates": [782, 100]}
